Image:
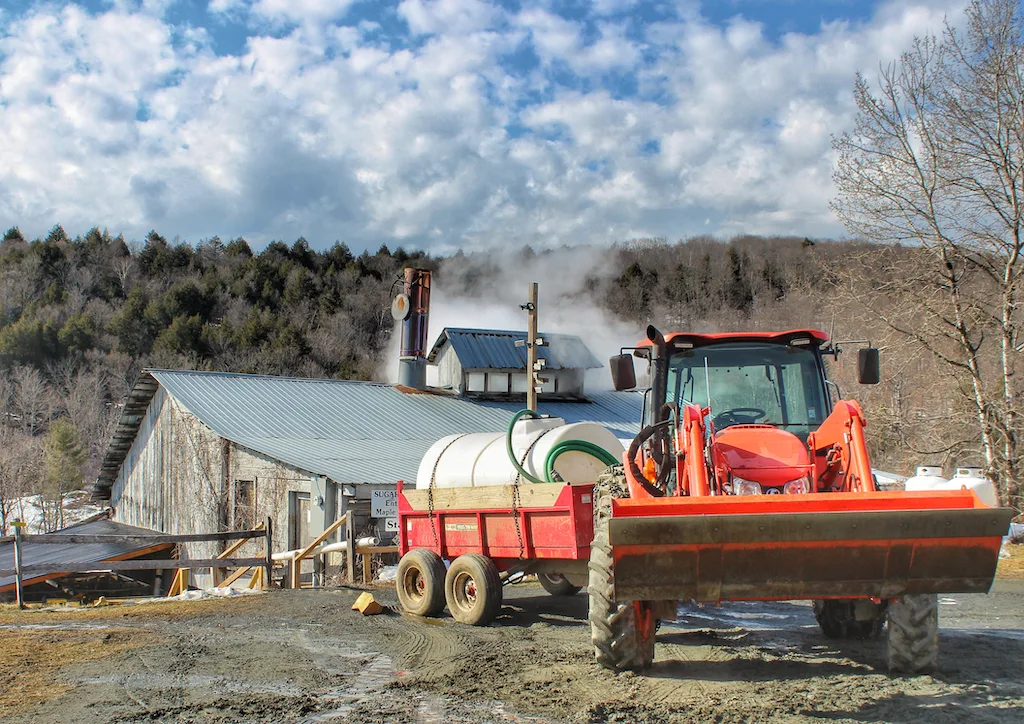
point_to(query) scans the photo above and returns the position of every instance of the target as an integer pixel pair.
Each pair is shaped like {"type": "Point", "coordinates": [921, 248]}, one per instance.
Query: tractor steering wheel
{"type": "Point", "coordinates": [738, 416]}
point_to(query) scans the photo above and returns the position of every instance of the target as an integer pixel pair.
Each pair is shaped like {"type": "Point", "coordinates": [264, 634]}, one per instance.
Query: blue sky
{"type": "Point", "coordinates": [436, 124]}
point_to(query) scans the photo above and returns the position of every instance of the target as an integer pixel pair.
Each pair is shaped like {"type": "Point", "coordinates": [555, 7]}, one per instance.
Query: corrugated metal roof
{"type": "Point", "coordinates": [38, 555]}
{"type": "Point", "coordinates": [352, 432]}
{"type": "Point", "coordinates": [496, 349]}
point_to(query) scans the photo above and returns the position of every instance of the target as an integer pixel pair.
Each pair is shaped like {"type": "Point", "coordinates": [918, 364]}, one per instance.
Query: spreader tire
{"type": "Point", "coordinates": [838, 620]}
{"type": "Point", "coordinates": [913, 639]}
{"type": "Point", "coordinates": [472, 589]}
{"type": "Point", "coordinates": [615, 627]}
{"type": "Point", "coordinates": [420, 582]}
{"type": "Point", "coordinates": [557, 585]}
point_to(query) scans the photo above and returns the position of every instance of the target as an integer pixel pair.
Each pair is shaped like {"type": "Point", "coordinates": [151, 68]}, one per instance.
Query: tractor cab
{"type": "Point", "coordinates": [760, 396]}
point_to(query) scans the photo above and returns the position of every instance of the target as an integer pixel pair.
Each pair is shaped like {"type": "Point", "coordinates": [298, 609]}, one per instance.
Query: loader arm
{"type": "Point", "coordinates": [840, 452]}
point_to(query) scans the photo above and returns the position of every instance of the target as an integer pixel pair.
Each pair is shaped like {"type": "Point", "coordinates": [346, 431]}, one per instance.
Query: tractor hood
{"type": "Point", "coordinates": [763, 453]}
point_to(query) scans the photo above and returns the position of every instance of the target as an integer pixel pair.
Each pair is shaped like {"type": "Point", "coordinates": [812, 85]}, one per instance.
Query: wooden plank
{"type": "Point", "coordinates": [366, 567]}
{"type": "Point", "coordinates": [484, 497]}
{"type": "Point", "coordinates": [216, 573]}
{"type": "Point", "coordinates": [136, 565]}
{"type": "Point", "coordinates": [268, 565]}
{"type": "Point", "coordinates": [179, 583]}
{"type": "Point", "coordinates": [233, 548]}
{"type": "Point", "coordinates": [376, 549]}
{"type": "Point", "coordinates": [235, 576]}
{"type": "Point", "coordinates": [350, 550]}
{"type": "Point", "coordinates": [62, 538]}
{"type": "Point", "coordinates": [304, 553]}
{"type": "Point", "coordinates": [50, 574]}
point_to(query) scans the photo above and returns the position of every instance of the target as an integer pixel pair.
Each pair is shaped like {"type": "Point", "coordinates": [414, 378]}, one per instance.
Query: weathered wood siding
{"type": "Point", "coordinates": [171, 479]}
{"type": "Point", "coordinates": [449, 370]}
{"type": "Point", "coordinates": [272, 482]}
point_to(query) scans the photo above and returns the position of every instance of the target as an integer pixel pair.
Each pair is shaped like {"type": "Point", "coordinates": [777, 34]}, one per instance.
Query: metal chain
{"type": "Point", "coordinates": [516, 501]}
{"type": "Point", "coordinates": [430, 490]}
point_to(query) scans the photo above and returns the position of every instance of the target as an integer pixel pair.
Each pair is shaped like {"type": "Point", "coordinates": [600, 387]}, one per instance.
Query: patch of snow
{"type": "Point", "coordinates": [39, 513]}
{"type": "Point", "coordinates": [388, 573]}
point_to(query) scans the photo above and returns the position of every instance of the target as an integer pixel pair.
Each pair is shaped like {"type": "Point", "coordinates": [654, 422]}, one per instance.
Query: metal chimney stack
{"type": "Point", "coordinates": [412, 361]}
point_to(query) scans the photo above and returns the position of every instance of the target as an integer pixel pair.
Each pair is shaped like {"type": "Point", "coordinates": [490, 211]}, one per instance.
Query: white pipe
{"type": "Point", "coordinates": [328, 548]}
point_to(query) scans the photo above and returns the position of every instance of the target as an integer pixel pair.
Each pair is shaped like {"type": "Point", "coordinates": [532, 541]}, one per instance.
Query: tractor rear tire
{"type": "Point", "coordinates": [913, 639]}
{"type": "Point", "coordinates": [472, 589]}
{"type": "Point", "coordinates": [838, 620]}
{"type": "Point", "coordinates": [557, 585]}
{"type": "Point", "coordinates": [420, 582]}
{"type": "Point", "coordinates": [616, 627]}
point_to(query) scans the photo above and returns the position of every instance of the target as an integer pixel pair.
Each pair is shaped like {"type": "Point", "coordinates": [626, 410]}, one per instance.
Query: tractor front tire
{"type": "Point", "coordinates": [420, 582]}
{"type": "Point", "coordinates": [473, 590]}
{"type": "Point", "coordinates": [838, 620]}
{"type": "Point", "coordinates": [622, 632]}
{"type": "Point", "coordinates": [557, 585]}
{"type": "Point", "coordinates": [913, 637]}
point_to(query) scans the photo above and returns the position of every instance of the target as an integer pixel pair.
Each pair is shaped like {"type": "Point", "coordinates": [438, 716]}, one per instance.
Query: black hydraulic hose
{"type": "Point", "coordinates": [634, 448]}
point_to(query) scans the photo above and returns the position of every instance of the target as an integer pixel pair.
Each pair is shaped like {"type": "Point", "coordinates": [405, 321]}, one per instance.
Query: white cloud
{"type": "Point", "coordinates": [336, 131]}
{"type": "Point", "coordinates": [451, 17]}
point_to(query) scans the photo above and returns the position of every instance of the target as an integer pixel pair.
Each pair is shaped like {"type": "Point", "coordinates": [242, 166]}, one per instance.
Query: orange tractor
{"type": "Point", "coordinates": [750, 483]}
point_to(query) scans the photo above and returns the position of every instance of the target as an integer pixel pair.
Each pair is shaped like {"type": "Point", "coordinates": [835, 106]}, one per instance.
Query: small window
{"type": "Point", "coordinates": [497, 382]}
{"type": "Point", "coordinates": [245, 505]}
{"type": "Point", "coordinates": [476, 382]}
{"type": "Point", "coordinates": [549, 386]}
{"type": "Point", "coordinates": [519, 383]}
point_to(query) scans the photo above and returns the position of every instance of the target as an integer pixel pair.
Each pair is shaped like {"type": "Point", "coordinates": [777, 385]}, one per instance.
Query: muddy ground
{"type": "Point", "coordinates": [304, 656]}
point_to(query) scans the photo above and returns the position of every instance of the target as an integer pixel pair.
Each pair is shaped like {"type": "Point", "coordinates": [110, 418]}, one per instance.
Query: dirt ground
{"type": "Point", "coordinates": [304, 656]}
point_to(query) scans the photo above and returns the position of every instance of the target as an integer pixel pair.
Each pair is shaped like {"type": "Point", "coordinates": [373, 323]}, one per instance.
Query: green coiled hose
{"type": "Point", "coordinates": [565, 446]}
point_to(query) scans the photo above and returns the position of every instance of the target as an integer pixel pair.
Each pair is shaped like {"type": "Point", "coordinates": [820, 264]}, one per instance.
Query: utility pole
{"type": "Point", "coordinates": [533, 362]}
{"type": "Point", "coordinates": [19, 586]}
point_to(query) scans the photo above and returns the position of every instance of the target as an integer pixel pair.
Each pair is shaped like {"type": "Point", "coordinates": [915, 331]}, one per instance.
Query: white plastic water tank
{"type": "Point", "coordinates": [927, 477]}
{"type": "Point", "coordinates": [972, 479]}
{"type": "Point", "coordinates": [480, 458]}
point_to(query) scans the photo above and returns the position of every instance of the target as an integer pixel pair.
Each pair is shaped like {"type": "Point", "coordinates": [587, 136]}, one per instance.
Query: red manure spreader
{"type": "Point", "coordinates": [750, 480]}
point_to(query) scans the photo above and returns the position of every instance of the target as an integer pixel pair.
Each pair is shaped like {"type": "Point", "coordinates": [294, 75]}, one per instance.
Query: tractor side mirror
{"type": "Point", "coordinates": [869, 370]}
{"type": "Point", "coordinates": [623, 374]}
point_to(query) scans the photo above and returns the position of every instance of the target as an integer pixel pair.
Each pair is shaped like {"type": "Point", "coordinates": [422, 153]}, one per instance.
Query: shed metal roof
{"type": "Point", "coordinates": [351, 432]}
{"type": "Point", "coordinates": [496, 349]}
{"type": "Point", "coordinates": [79, 553]}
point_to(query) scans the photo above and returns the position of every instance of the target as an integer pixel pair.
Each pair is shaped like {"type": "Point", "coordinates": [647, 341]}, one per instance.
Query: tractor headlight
{"type": "Point", "coordinates": [745, 487]}
{"type": "Point", "coordinates": [798, 486]}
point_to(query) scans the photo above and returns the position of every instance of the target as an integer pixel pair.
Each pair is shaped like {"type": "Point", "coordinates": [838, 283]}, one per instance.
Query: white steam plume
{"type": "Point", "coordinates": [485, 290]}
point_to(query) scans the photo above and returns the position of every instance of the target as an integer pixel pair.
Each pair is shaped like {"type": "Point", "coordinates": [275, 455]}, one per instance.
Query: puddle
{"type": "Point", "coordinates": [749, 616]}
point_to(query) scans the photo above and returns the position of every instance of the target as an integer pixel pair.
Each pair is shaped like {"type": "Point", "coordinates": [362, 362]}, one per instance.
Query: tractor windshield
{"type": "Point", "coordinates": [751, 383]}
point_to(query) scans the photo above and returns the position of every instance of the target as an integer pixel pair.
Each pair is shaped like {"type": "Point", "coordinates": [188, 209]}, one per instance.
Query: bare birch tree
{"type": "Point", "coordinates": [936, 160]}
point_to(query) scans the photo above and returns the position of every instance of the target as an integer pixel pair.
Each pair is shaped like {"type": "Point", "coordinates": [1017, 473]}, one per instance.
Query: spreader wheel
{"type": "Point", "coordinates": [420, 582]}
{"type": "Point", "coordinates": [557, 585]}
{"type": "Point", "coordinates": [838, 620]}
{"type": "Point", "coordinates": [913, 640]}
{"type": "Point", "coordinates": [622, 632]}
{"type": "Point", "coordinates": [473, 590]}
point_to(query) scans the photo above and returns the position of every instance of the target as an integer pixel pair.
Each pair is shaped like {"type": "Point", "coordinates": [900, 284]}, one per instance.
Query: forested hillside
{"type": "Point", "coordinates": [79, 317]}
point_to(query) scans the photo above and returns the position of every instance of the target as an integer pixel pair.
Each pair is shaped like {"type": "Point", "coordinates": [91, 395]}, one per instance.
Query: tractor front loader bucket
{"type": "Point", "coordinates": [828, 545]}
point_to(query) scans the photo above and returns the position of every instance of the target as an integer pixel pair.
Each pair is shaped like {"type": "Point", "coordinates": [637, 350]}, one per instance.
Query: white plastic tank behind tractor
{"type": "Point", "coordinates": [972, 479]}
{"type": "Point", "coordinates": [481, 458]}
{"type": "Point", "coordinates": [927, 477]}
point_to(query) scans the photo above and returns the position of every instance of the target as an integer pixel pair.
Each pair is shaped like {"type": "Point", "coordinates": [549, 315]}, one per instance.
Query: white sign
{"type": "Point", "coordinates": [384, 504]}
{"type": "Point", "coordinates": [391, 525]}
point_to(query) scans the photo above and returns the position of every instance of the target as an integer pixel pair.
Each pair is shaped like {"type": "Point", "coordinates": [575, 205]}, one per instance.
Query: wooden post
{"type": "Point", "coordinates": [18, 581]}
{"type": "Point", "coordinates": [531, 349]}
{"type": "Point", "coordinates": [350, 549]}
{"type": "Point", "coordinates": [268, 567]}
